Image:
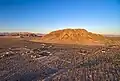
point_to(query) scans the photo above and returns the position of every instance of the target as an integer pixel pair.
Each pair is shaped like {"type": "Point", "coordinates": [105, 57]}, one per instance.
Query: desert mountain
{"type": "Point", "coordinates": [73, 36]}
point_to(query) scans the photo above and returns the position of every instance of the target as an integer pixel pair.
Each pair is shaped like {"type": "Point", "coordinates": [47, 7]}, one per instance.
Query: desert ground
{"type": "Point", "coordinates": [22, 60]}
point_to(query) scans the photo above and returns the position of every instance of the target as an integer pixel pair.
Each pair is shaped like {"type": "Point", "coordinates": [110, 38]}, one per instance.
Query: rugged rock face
{"type": "Point", "coordinates": [73, 36]}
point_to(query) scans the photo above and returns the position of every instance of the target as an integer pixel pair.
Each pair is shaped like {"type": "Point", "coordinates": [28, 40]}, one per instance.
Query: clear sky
{"type": "Point", "coordinates": [43, 16]}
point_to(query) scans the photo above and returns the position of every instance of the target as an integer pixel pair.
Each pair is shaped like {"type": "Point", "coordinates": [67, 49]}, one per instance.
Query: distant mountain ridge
{"type": "Point", "coordinates": [108, 35]}
{"type": "Point", "coordinates": [28, 34]}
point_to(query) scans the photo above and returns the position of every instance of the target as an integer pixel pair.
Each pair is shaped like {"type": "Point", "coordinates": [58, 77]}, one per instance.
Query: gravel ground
{"type": "Point", "coordinates": [21, 60]}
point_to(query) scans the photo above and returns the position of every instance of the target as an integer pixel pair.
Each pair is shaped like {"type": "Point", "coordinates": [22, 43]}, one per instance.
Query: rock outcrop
{"type": "Point", "coordinates": [73, 36]}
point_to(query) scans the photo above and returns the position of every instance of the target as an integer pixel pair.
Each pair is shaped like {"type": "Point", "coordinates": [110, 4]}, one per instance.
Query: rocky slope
{"type": "Point", "coordinates": [73, 36]}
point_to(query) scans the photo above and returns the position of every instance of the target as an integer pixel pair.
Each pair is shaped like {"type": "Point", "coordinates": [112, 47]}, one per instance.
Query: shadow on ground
{"type": "Point", "coordinates": [33, 76]}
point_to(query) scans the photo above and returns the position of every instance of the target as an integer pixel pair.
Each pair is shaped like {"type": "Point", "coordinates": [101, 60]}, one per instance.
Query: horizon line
{"type": "Point", "coordinates": [46, 33]}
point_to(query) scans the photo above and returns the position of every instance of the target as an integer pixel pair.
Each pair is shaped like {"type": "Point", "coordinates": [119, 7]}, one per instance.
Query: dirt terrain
{"type": "Point", "coordinates": [21, 60]}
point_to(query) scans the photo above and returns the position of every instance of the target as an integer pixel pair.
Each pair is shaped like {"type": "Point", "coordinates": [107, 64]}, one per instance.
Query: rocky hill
{"type": "Point", "coordinates": [74, 36]}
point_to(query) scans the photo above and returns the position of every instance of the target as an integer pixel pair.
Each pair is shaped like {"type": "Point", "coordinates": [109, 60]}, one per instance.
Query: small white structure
{"type": "Point", "coordinates": [7, 52]}
{"type": "Point", "coordinates": [103, 51]}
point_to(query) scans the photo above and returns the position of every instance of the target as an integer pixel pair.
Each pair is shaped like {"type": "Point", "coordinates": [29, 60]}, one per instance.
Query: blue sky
{"type": "Point", "coordinates": [43, 16]}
